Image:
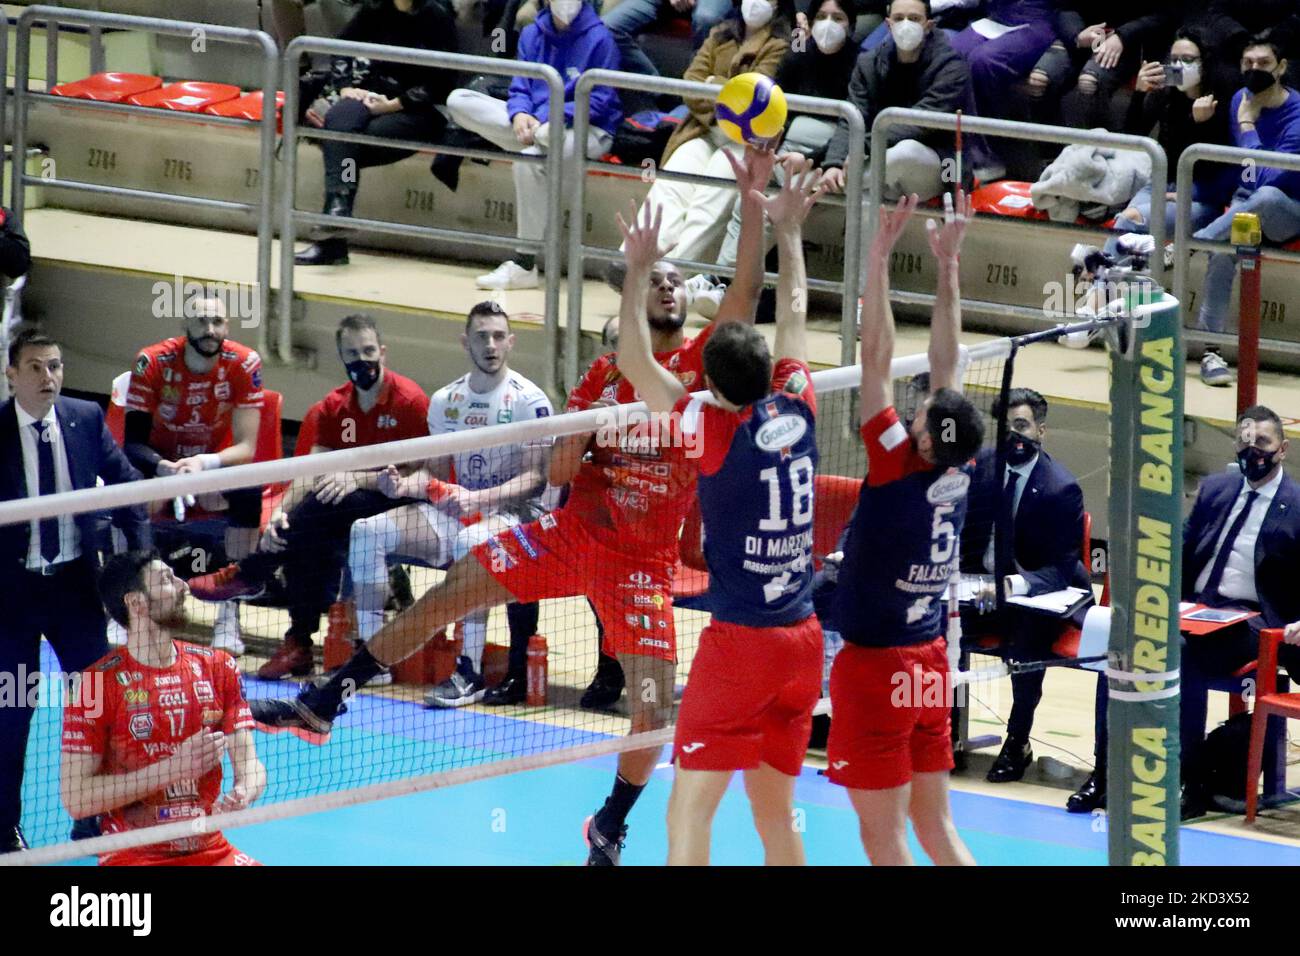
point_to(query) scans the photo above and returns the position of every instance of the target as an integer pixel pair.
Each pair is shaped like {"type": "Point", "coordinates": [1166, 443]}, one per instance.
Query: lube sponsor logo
{"type": "Point", "coordinates": [781, 432]}
{"type": "Point", "coordinates": [77, 909]}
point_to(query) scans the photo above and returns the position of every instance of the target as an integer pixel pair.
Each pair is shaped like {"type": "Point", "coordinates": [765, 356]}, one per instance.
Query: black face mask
{"type": "Point", "coordinates": [1255, 464]}
{"type": "Point", "coordinates": [363, 374]}
{"type": "Point", "coordinates": [1257, 81]}
{"type": "Point", "coordinates": [1020, 449]}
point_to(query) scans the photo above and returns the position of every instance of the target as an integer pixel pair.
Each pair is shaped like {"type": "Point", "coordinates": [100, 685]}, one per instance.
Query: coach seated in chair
{"type": "Point", "coordinates": [1241, 549]}
{"type": "Point", "coordinates": [1041, 505]}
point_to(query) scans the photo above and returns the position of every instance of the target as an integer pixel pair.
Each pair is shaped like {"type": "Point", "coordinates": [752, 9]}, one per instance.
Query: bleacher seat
{"type": "Point", "coordinates": [108, 87]}
{"type": "Point", "coordinates": [248, 107]}
{"type": "Point", "coordinates": [189, 96]}
{"type": "Point", "coordinates": [1006, 198]}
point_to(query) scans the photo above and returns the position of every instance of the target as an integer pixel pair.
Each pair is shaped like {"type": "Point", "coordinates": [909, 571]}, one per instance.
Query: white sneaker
{"type": "Point", "coordinates": [116, 634]}
{"type": "Point", "coordinates": [509, 275]}
{"type": "Point", "coordinates": [1215, 371]}
{"type": "Point", "coordinates": [226, 635]}
{"type": "Point", "coordinates": [704, 295]}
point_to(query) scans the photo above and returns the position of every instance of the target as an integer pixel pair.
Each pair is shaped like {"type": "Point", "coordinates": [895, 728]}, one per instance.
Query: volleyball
{"type": "Point", "coordinates": [751, 109]}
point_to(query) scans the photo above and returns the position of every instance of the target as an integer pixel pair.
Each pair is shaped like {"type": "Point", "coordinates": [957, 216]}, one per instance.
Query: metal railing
{"type": "Point", "coordinates": [23, 97]}
{"type": "Point", "coordinates": [1185, 245]}
{"type": "Point", "coordinates": [550, 246]}
{"type": "Point", "coordinates": [894, 116]}
{"type": "Point", "coordinates": [579, 252]}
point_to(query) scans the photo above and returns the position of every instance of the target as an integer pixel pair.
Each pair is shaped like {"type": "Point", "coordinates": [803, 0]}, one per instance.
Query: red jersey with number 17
{"type": "Point", "coordinates": [133, 716]}
{"type": "Point", "coordinates": [192, 410]}
{"type": "Point", "coordinates": [634, 493]}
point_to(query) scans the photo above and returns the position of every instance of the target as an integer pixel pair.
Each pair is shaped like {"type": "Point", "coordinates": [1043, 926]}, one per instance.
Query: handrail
{"type": "Point", "coordinates": [1184, 245]}
{"type": "Point", "coordinates": [52, 17]}
{"type": "Point", "coordinates": [290, 217]}
{"type": "Point", "coordinates": [578, 251]}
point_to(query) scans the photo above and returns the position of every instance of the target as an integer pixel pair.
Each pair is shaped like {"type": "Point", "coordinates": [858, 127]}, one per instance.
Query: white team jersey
{"type": "Point", "coordinates": [456, 407]}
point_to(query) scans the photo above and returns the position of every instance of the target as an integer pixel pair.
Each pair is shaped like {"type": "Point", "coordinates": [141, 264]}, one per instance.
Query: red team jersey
{"type": "Point", "coordinates": [634, 497]}
{"type": "Point", "coordinates": [401, 411]}
{"type": "Point", "coordinates": [133, 716]}
{"type": "Point", "coordinates": [192, 412]}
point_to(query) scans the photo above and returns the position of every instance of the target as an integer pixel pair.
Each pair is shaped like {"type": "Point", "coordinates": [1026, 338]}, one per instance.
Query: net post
{"type": "Point", "coordinates": [1143, 756]}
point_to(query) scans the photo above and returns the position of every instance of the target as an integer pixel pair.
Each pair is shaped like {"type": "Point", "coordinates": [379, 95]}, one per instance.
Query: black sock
{"type": "Point", "coordinates": [524, 260]}
{"type": "Point", "coordinates": [611, 817]}
{"type": "Point", "coordinates": [348, 679]}
{"type": "Point", "coordinates": [523, 625]}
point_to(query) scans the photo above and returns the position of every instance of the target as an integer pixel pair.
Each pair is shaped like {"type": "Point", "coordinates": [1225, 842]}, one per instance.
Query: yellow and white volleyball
{"type": "Point", "coordinates": [751, 109]}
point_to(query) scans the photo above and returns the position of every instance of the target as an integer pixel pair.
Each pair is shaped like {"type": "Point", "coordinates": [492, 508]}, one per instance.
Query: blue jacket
{"type": "Point", "coordinates": [1277, 549]}
{"type": "Point", "coordinates": [92, 454]}
{"type": "Point", "coordinates": [586, 45]}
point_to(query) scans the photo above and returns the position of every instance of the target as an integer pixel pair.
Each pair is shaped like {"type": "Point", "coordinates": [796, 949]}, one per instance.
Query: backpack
{"type": "Point", "coordinates": [1224, 756]}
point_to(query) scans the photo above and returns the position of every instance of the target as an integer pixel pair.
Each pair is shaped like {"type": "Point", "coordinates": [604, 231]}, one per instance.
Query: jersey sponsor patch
{"type": "Point", "coordinates": [141, 726]}
{"type": "Point", "coordinates": [893, 436]}
{"type": "Point", "coordinates": [141, 363]}
{"type": "Point", "coordinates": [542, 411]}
{"type": "Point", "coordinates": [796, 383]}
{"type": "Point", "coordinates": [951, 487]}
{"type": "Point", "coordinates": [780, 432]}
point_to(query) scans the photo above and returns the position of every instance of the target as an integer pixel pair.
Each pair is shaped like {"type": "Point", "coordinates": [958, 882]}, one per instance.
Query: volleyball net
{"type": "Point", "coordinates": [367, 547]}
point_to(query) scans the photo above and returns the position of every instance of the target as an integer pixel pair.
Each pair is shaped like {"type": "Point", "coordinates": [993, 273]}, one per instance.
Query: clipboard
{"type": "Point", "coordinates": [1197, 619]}
{"type": "Point", "coordinates": [1059, 604]}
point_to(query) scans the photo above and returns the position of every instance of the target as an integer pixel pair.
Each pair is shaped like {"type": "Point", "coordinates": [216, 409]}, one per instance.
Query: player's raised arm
{"type": "Point", "coordinates": [787, 212]}
{"type": "Point", "coordinates": [877, 331]}
{"type": "Point", "coordinates": [753, 172]}
{"type": "Point", "coordinates": [658, 387]}
{"type": "Point", "coordinates": [945, 326]}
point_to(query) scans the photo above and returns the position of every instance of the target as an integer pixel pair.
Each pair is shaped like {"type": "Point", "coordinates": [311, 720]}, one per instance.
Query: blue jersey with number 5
{"type": "Point", "coordinates": [756, 499]}
{"type": "Point", "coordinates": [902, 544]}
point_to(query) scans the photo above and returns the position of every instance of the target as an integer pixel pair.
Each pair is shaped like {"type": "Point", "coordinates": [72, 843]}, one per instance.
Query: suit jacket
{"type": "Point", "coordinates": [92, 454]}
{"type": "Point", "coordinates": [1277, 549]}
{"type": "Point", "coordinates": [1048, 525]}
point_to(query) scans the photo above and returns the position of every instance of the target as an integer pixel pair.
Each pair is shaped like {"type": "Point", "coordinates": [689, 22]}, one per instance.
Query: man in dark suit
{"type": "Point", "coordinates": [1241, 549]}
{"type": "Point", "coordinates": [1039, 504]}
{"type": "Point", "coordinates": [49, 444]}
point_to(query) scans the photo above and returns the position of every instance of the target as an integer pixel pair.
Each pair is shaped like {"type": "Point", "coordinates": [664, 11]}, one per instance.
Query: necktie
{"type": "Point", "coordinates": [1004, 547]}
{"type": "Point", "coordinates": [49, 527]}
{"type": "Point", "coordinates": [1210, 593]}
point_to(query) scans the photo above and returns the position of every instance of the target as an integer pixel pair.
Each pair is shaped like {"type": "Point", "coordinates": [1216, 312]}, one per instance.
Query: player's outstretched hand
{"type": "Point", "coordinates": [641, 238]}
{"type": "Point", "coordinates": [892, 224]}
{"type": "Point", "coordinates": [945, 240]}
{"type": "Point", "coordinates": [789, 207]}
{"type": "Point", "coordinates": [753, 171]}
{"type": "Point", "coordinates": [236, 798]}
{"type": "Point", "coordinates": [198, 754]}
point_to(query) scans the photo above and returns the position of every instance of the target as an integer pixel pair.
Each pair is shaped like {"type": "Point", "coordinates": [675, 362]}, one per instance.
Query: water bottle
{"type": "Point", "coordinates": [536, 671]}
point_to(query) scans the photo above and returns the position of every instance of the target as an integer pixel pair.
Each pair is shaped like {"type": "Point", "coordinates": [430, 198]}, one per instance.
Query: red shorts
{"type": "Point", "coordinates": [750, 697]}
{"type": "Point", "coordinates": [220, 853]}
{"type": "Point", "coordinates": [556, 556]}
{"type": "Point", "coordinates": [891, 713]}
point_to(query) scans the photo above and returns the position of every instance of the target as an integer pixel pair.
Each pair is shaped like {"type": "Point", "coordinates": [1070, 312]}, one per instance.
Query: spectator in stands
{"type": "Point", "coordinates": [821, 69]}
{"type": "Point", "coordinates": [1111, 38]}
{"type": "Point", "coordinates": [389, 100]}
{"type": "Point", "coordinates": [916, 68]}
{"type": "Point", "coordinates": [628, 19]}
{"type": "Point", "coordinates": [1003, 47]}
{"type": "Point", "coordinates": [188, 394]}
{"type": "Point", "coordinates": [15, 250]}
{"type": "Point", "coordinates": [1264, 115]}
{"type": "Point", "coordinates": [1232, 24]}
{"type": "Point", "coordinates": [288, 18]}
{"type": "Point", "coordinates": [569, 36]}
{"type": "Point", "coordinates": [1182, 114]}
{"type": "Point", "coordinates": [1040, 505]}
{"type": "Point", "coordinates": [1241, 548]}
{"type": "Point", "coordinates": [753, 39]}
{"type": "Point", "coordinates": [306, 539]}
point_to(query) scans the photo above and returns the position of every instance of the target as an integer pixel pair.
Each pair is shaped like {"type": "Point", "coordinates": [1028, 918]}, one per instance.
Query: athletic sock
{"type": "Point", "coordinates": [611, 817]}
{"type": "Point", "coordinates": [473, 633]}
{"type": "Point", "coordinates": [524, 260]}
{"type": "Point", "coordinates": [324, 701]}
{"type": "Point", "coordinates": [523, 625]}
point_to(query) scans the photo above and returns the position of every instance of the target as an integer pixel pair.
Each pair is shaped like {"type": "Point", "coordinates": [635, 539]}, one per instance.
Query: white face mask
{"type": "Point", "coordinates": [1191, 76]}
{"type": "Point", "coordinates": [565, 11]}
{"type": "Point", "coordinates": [908, 35]}
{"type": "Point", "coordinates": [828, 35]}
{"type": "Point", "coordinates": [756, 13]}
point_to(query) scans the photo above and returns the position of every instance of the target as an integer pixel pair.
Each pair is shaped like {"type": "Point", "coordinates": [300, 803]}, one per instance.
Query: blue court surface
{"type": "Point", "coordinates": [535, 818]}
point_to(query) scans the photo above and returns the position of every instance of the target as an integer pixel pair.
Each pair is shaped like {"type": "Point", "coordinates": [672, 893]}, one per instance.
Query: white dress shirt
{"type": "Point", "coordinates": [69, 535]}
{"type": "Point", "coordinates": [1239, 573]}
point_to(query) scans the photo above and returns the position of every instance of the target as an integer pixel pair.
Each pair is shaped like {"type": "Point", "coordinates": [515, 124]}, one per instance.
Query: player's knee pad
{"type": "Point", "coordinates": [369, 542]}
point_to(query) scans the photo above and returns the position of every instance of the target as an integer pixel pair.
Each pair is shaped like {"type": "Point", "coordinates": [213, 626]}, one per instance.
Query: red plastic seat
{"type": "Point", "coordinates": [1006, 198]}
{"type": "Point", "coordinates": [248, 106]}
{"type": "Point", "coordinates": [108, 87]}
{"type": "Point", "coordinates": [1293, 245]}
{"type": "Point", "coordinates": [1268, 703]}
{"type": "Point", "coordinates": [188, 97]}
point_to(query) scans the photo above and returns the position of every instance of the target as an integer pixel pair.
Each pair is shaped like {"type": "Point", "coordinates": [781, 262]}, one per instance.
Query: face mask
{"type": "Point", "coordinates": [756, 13]}
{"type": "Point", "coordinates": [1254, 463]}
{"type": "Point", "coordinates": [363, 374]}
{"type": "Point", "coordinates": [1020, 449]}
{"type": "Point", "coordinates": [1257, 81]}
{"type": "Point", "coordinates": [828, 35]}
{"type": "Point", "coordinates": [565, 11]}
{"type": "Point", "coordinates": [1191, 76]}
{"type": "Point", "coordinates": [908, 35]}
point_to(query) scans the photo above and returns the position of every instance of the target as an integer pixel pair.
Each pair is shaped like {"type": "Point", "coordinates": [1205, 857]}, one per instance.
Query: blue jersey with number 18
{"type": "Point", "coordinates": [756, 469]}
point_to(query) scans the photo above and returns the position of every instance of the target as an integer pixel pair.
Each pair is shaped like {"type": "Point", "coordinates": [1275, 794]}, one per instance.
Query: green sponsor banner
{"type": "Point", "coordinates": [1146, 442]}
